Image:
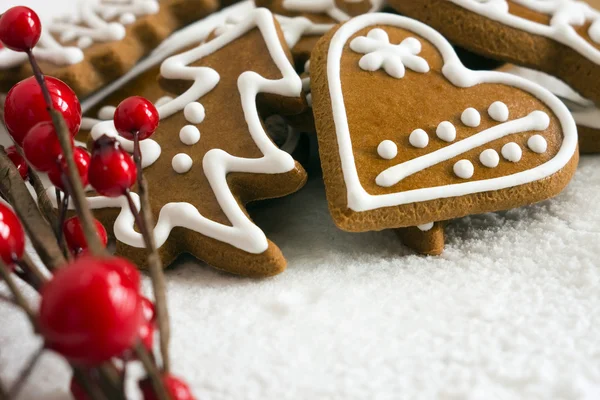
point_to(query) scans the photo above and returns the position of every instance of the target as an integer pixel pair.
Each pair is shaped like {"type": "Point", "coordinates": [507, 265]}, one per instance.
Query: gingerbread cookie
{"type": "Point", "coordinates": [304, 22]}
{"type": "Point", "coordinates": [559, 37]}
{"type": "Point", "coordinates": [584, 112]}
{"type": "Point", "coordinates": [104, 41]}
{"type": "Point", "coordinates": [211, 153]}
{"type": "Point", "coordinates": [408, 136]}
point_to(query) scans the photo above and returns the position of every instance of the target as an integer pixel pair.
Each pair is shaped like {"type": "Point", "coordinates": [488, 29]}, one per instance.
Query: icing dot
{"type": "Point", "coordinates": [387, 149]}
{"type": "Point", "coordinates": [162, 101]}
{"type": "Point", "coordinates": [425, 227]}
{"type": "Point", "coordinates": [446, 131]}
{"type": "Point", "coordinates": [470, 117]}
{"type": "Point", "coordinates": [84, 42]}
{"type": "Point", "coordinates": [419, 138]}
{"type": "Point", "coordinates": [512, 152]}
{"type": "Point", "coordinates": [307, 67]}
{"type": "Point", "coordinates": [182, 163]}
{"type": "Point", "coordinates": [189, 135]}
{"type": "Point", "coordinates": [498, 111]}
{"type": "Point", "coordinates": [194, 113]}
{"type": "Point", "coordinates": [537, 144]}
{"type": "Point", "coordinates": [127, 19]}
{"type": "Point", "coordinates": [489, 158]}
{"type": "Point", "coordinates": [106, 113]}
{"type": "Point", "coordinates": [464, 169]}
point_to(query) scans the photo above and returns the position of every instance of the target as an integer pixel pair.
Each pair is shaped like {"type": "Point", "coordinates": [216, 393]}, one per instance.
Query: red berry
{"type": "Point", "coordinates": [1, 46]}
{"type": "Point", "coordinates": [18, 160]}
{"type": "Point", "coordinates": [90, 312]}
{"type": "Point", "coordinates": [126, 270]}
{"type": "Point", "coordinates": [149, 310]}
{"type": "Point", "coordinates": [20, 28]}
{"type": "Point", "coordinates": [12, 236]}
{"type": "Point", "coordinates": [75, 237]}
{"type": "Point", "coordinates": [25, 106]}
{"type": "Point", "coordinates": [82, 161]}
{"type": "Point", "coordinates": [136, 114]}
{"type": "Point", "coordinates": [176, 388]}
{"type": "Point", "coordinates": [146, 335]}
{"type": "Point", "coordinates": [42, 148]}
{"type": "Point", "coordinates": [112, 170]}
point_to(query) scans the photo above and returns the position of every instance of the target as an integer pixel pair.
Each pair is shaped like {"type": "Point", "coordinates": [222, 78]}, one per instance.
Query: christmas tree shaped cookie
{"type": "Point", "coordinates": [102, 41]}
{"type": "Point", "coordinates": [211, 153]}
{"type": "Point", "coordinates": [409, 137]}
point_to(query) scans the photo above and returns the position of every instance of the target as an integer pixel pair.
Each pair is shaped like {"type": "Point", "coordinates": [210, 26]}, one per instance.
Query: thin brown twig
{"type": "Point", "coordinates": [87, 384]}
{"type": "Point", "coordinates": [40, 233]}
{"type": "Point", "coordinates": [110, 381]}
{"type": "Point", "coordinates": [154, 262]}
{"type": "Point", "coordinates": [151, 370]}
{"type": "Point", "coordinates": [43, 200]}
{"type": "Point", "coordinates": [27, 370]}
{"type": "Point", "coordinates": [74, 183]}
{"type": "Point", "coordinates": [19, 299]}
{"type": "Point", "coordinates": [31, 268]}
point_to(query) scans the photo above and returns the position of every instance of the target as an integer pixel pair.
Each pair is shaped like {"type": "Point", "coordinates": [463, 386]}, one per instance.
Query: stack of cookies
{"type": "Point", "coordinates": [409, 137]}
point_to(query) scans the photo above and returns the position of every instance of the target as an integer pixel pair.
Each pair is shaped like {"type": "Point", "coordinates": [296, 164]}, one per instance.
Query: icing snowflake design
{"type": "Point", "coordinates": [393, 58]}
{"type": "Point", "coordinates": [96, 21]}
{"type": "Point", "coordinates": [464, 169]}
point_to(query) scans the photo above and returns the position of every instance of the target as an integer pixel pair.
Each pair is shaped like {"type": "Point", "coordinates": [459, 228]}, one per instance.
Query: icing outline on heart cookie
{"type": "Point", "coordinates": [564, 14]}
{"type": "Point", "coordinates": [357, 197]}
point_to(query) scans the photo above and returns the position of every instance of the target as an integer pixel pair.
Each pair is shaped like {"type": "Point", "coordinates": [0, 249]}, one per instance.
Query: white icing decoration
{"type": "Point", "coordinates": [127, 18]}
{"type": "Point", "coordinates": [358, 198]}
{"type": "Point", "coordinates": [162, 101]}
{"type": "Point", "coordinates": [307, 67]}
{"type": "Point", "coordinates": [182, 163]}
{"type": "Point", "coordinates": [463, 169]}
{"type": "Point", "coordinates": [393, 58]}
{"type": "Point", "coordinates": [446, 131]}
{"type": "Point", "coordinates": [425, 227]}
{"type": "Point", "coordinates": [107, 112]}
{"type": "Point", "coordinates": [189, 135]}
{"type": "Point", "coordinates": [470, 117]}
{"type": "Point", "coordinates": [498, 111]}
{"type": "Point", "coordinates": [564, 16]}
{"type": "Point", "coordinates": [489, 158]}
{"type": "Point", "coordinates": [512, 152]}
{"type": "Point", "coordinates": [589, 118]}
{"type": "Point", "coordinates": [387, 149]}
{"type": "Point", "coordinates": [191, 35]}
{"type": "Point", "coordinates": [419, 138]}
{"type": "Point", "coordinates": [241, 232]}
{"type": "Point", "coordinates": [537, 144]}
{"type": "Point", "coordinates": [194, 113]}
{"type": "Point", "coordinates": [94, 23]}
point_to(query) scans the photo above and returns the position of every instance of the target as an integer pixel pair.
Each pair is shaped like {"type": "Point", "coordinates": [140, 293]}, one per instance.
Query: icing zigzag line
{"type": "Point", "coordinates": [243, 233]}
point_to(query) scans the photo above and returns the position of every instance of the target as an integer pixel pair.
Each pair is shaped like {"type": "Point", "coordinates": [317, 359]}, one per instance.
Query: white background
{"type": "Point", "coordinates": [510, 311]}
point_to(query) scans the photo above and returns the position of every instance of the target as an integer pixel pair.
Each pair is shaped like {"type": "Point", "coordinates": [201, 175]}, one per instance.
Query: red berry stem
{"type": "Point", "coordinates": [157, 383]}
{"type": "Point", "coordinates": [42, 236]}
{"type": "Point", "coordinates": [63, 205]}
{"type": "Point", "coordinates": [86, 383]}
{"type": "Point", "coordinates": [27, 264]}
{"type": "Point", "coordinates": [13, 393]}
{"type": "Point", "coordinates": [18, 296]}
{"type": "Point", "coordinates": [74, 182]}
{"type": "Point", "coordinates": [154, 262]}
{"type": "Point", "coordinates": [43, 200]}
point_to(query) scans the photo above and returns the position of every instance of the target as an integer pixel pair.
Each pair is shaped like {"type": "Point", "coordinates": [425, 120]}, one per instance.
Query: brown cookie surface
{"type": "Point", "coordinates": [561, 38]}
{"type": "Point", "coordinates": [103, 41]}
{"type": "Point", "coordinates": [409, 136]}
{"type": "Point", "coordinates": [211, 154]}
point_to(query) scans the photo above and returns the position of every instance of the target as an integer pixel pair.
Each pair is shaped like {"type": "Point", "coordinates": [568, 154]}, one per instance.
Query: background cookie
{"type": "Point", "coordinates": [408, 136]}
{"type": "Point", "coordinates": [104, 42]}
{"type": "Point", "coordinates": [561, 38]}
{"type": "Point", "coordinates": [211, 154]}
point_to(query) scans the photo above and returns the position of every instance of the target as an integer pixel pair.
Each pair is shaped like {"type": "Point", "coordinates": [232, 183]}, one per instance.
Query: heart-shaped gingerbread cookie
{"type": "Point", "coordinates": [409, 136]}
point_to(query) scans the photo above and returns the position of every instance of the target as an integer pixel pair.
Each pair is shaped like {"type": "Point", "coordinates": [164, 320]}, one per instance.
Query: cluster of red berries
{"type": "Point", "coordinates": [91, 310]}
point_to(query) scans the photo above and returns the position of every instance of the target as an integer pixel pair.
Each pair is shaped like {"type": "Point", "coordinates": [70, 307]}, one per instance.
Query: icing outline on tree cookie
{"type": "Point", "coordinates": [357, 197]}
{"type": "Point", "coordinates": [242, 233]}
